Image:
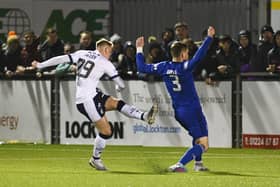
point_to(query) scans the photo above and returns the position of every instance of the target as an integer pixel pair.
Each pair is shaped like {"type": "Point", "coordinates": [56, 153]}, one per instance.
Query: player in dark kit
{"type": "Point", "coordinates": [177, 75]}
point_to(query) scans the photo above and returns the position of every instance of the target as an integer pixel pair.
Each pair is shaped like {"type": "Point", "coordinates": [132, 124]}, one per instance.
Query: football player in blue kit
{"type": "Point", "coordinates": [177, 75]}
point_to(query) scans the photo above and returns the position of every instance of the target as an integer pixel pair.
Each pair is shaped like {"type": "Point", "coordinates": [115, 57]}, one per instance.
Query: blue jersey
{"type": "Point", "coordinates": [177, 76]}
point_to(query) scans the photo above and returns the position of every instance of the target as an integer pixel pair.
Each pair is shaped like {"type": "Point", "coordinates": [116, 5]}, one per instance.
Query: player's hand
{"type": "Point", "coordinates": [211, 31]}
{"type": "Point", "coordinates": [271, 68]}
{"type": "Point", "coordinates": [140, 42]}
{"type": "Point", "coordinates": [222, 69]}
{"type": "Point", "coordinates": [34, 64]}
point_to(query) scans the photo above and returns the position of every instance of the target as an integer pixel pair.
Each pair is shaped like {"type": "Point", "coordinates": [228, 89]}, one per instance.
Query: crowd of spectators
{"type": "Point", "coordinates": [225, 58]}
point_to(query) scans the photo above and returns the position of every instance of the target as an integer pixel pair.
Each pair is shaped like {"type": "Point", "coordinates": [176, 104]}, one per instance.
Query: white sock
{"type": "Point", "coordinates": [132, 112]}
{"type": "Point", "coordinates": [198, 162]}
{"type": "Point", "coordinates": [99, 146]}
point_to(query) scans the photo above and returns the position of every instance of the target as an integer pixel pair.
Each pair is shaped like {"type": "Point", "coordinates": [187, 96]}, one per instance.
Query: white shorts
{"type": "Point", "coordinates": [94, 109]}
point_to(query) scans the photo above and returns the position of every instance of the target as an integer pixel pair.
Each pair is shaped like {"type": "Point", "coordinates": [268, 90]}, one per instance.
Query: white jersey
{"type": "Point", "coordinates": [91, 66]}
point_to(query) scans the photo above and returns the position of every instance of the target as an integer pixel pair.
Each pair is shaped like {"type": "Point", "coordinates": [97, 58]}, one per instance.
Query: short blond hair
{"type": "Point", "coordinates": [101, 42]}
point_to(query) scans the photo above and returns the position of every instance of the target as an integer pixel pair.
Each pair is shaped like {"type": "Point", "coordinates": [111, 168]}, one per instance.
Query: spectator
{"type": "Point", "coordinates": [86, 41]}
{"type": "Point", "coordinates": [69, 48]}
{"type": "Point", "coordinates": [30, 51]}
{"type": "Point", "coordinates": [156, 53]}
{"type": "Point", "coordinates": [117, 51]}
{"type": "Point", "coordinates": [247, 52]}
{"type": "Point", "coordinates": [208, 65]}
{"type": "Point", "coordinates": [191, 46]}
{"type": "Point", "coordinates": [265, 44]}
{"type": "Point", "coordinates": [12, 54]}
{"type": "Point", "coordinates": [274, 55]}
{"type": "Point", "coordinates": [127, 66]}
{"type": "Point", "coordinates": [227, 59]}
{"type": "Point", "coordinates": [52, 46]}
{"type": "Point", "coordinates": [167, 37]}
{"type": "Point", "coordinates": [181, 31]}
{"type": "Point", "coordinates": [62, 69]}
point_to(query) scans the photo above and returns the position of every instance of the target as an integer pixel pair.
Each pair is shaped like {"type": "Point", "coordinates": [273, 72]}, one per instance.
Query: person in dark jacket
{"type": "Point", "coordinates": [30, 51]}
{"type": "Point", "coordinates": [273, 55]}
{"type": "Point", "coordinates": [52, 46]}
{"type": "Point", "coordinates": [227, 58]}
{"type": "Point", "coordinates": [247, 52]}
{"type": "Point", "coordinates": [265, 44]}
{"type": "Point", "coordinates": [127, 67]}
{"type": "Point", "coordinates": [86, 41]}
{"type": "Point", "coordinates": [12, 54]}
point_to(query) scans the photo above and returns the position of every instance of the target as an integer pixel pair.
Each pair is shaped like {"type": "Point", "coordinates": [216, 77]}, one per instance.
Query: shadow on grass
{"type": "Point", "coordinates": [229, 174]}
{"type": "Point", "coordinates": [139, 173]}
{"type": "Point", "coordinates": [235, 174]}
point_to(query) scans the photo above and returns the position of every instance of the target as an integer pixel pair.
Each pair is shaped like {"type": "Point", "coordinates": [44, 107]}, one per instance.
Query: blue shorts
{"type": "Point", "coordinates": [193, 120]}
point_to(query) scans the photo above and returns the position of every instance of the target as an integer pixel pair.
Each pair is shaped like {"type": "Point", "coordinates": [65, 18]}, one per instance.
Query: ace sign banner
{"type": "Point", "coordinates": [68, 17]}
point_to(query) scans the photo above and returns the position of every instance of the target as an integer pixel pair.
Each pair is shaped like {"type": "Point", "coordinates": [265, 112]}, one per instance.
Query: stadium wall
{"type": "Point", "coordinates": [260, 111]}
{"type": "Point", "coordinates": [25, 111]}
{"type": "Point", "coordinates": [216, 102]}
{"type": "Point", "coordinates": [26, 114]}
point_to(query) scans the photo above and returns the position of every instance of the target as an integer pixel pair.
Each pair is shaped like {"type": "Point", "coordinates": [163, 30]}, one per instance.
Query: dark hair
{"type": "Point", "coordinates": [274, 37]}
{"type": "Point", "coordinates": [176, 49]}
{"type": "Point", "coordinates": [87, 33]}
{"type": "Point", "coordinates": [267, 28]}
{"type": "Point", "coordinates": [244, 33]}
{"type": "Point", "coordinates": [225, 38]}
{"type": "Point", "coordinates": [181, 24]}
{"type": "Point", "coordinates": [170, 30]}
{"type": "Point", "coordinates": [29, 32]}
{"type": "Point", "coordinates": [51, 30]}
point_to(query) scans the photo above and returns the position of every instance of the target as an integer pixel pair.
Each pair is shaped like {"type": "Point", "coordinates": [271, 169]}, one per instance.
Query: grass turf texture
{"type": "Point", "coordinates": [67, 165]}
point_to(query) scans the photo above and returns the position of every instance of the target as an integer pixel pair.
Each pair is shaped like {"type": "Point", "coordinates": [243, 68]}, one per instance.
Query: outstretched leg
{"type": "Point", "coordinates": [131, 111]}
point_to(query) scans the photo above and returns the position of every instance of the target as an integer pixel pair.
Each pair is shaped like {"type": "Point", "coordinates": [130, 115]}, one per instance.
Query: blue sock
{"type": "Point", "coordinates": [190, 154]}
{"type": "Point", "coordinates": [197, 158]}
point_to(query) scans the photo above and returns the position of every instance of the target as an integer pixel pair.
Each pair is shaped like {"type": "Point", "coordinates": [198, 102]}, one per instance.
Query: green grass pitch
{"type": "Point", "coordinates": [67, 165]}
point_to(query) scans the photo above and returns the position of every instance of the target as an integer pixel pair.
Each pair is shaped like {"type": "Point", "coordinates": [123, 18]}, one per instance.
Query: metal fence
{"type": "Point", "coordinates": [131, 18]}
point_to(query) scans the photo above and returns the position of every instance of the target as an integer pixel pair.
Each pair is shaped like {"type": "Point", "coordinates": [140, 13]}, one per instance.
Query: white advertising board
{"type": "Point", "coordinates": [216, 102]}
{"type": "Point", "coordinates": [275, 14]}
{"type": "Point", "coordinates": [25, 111]}
{"type": "Point", "coordinates": [260, 114]}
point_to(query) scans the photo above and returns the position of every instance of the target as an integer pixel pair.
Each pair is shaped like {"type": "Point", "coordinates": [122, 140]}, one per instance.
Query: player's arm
{"type": "Point", "coordinates": [52, 62]}
{"type": "Point", "coordinates": [142, 67]}
{"type": "Point", "coordinates": [111, 71]}
{"type": "Point", "coordinates": [201, 52]}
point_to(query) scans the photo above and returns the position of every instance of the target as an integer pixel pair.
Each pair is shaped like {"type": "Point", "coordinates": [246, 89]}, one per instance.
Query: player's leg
{"type": "Point", "coordinates": [131, 111]}
{"type": "Point", "coordinates": [191, 120]}
{"type": "Point", "coordinates": [94, 110]}
{"type": "Point", "coordinates": [202, 140]}
{"type": "Point", "coordinates": [105, 133]}
{"type": "Point", "coordinates": [198, 165]}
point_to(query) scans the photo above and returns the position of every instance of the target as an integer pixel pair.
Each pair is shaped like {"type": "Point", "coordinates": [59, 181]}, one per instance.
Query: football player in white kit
{"type": "Point", "coordinates": [90, 101]}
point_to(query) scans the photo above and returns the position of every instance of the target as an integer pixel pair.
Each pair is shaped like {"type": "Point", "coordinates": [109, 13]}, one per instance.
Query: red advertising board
{"type": "Point", "coordinates": [264, 141]}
